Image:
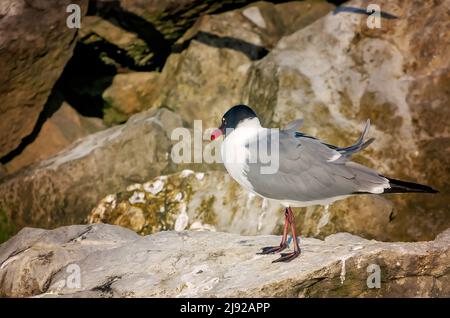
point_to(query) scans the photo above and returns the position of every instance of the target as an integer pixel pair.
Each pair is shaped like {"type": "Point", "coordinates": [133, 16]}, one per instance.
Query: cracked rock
{"type": "Point", "coordinates": [115, 262]}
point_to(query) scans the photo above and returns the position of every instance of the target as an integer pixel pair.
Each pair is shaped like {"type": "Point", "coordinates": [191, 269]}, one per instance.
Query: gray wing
{"type": "Point", "coordinates": [310, 170]}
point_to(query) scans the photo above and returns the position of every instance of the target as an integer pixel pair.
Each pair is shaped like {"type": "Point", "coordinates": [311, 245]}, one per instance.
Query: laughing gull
{"type": "Point", "coordinates": [307, 171]}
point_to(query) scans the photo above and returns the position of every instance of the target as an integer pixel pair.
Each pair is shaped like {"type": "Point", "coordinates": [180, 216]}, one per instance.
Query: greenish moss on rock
{"type": "Point", "coordinates": [7, 229]}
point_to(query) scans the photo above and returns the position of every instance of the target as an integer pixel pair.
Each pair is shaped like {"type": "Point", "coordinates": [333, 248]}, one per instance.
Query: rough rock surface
{"type": "Point", "coordinates": [110, 261]}
{"type": "Point", "coordinates": [336, 73]}
{"type": "Point", "coordinates": [207, 77]}
{"type": "Point", "coordinates": [63, 127]}
{"type": "Point", "coordinates": [128, 94]}
{"type": "Point", "coordinates": [64, 188]}
{"type": "Point", "coordinates": [35, 45]}
{"type": "Point", "coordinates": [189, 200]}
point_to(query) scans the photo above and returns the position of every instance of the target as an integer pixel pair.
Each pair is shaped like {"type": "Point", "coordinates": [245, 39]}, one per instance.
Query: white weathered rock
{"type": "Point", "coordinates": [110, 261]}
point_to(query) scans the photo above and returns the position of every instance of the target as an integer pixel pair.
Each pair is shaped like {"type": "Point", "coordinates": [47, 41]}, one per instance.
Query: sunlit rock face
{"type": "Point", "coordinates": [35, 45]}
{"type": "Point", "coordinates": [336, 73]}
{"type": "Point", "coordinates": [128, 94]}
{"type": "Point", "coordinates": [207, 77]}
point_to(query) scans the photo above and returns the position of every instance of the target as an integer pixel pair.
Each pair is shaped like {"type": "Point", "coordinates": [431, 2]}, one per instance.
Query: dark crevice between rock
{"type": "Point", "coordinates": [106, 286]}
{"type": "Point", "coordinates": [53, 104]}
{"type": "Point", "coordinates": [363, 11]}
{"type": "Point", "coordinates": [179, 21]}
{"type": "Point", "coordinates": [337, 2]}
{"type": "Point", "coordinates": [253, 52]}
{"type": "Point", "coordinates": [49, 280]}
{"type": "Point", "coordinates": [86, 76]}
{"type": "Point", "coordinates": [113, 12]}
{"type": "Point", "coordinates": [81, 84]}
{"type": "Point", "coordinates": [17, 252]}
{"type": "Point", "coordinates": [81, 235]}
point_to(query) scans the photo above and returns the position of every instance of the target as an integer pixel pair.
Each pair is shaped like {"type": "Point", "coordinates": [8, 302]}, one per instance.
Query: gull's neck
{"type": "Point", "coordinates": [249, 124]}
{"type": "Point", "coordinates": [245, 129]}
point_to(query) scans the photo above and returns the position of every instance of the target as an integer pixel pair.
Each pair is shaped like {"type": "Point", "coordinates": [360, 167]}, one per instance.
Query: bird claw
{"type": "Point", "coordinates": [287, 257]}
{"type": "Point", "coordinates": [272, 249]}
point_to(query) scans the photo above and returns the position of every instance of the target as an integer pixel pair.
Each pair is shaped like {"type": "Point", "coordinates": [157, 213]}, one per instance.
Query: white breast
{"type": "Point", "coordinates": [234, 157]}
{"type": "Point", "coordinates": [235, 154]}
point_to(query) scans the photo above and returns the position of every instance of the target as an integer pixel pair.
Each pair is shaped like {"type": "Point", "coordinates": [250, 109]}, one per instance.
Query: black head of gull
{"type": "Point", "coordinates": [232, 118]}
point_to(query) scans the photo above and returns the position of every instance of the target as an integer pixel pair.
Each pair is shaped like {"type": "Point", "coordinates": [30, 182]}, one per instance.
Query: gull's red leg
{"type": "Point", "coordinates": [283, 244]}
{"type": "Point", "coordinates": [287, 257]}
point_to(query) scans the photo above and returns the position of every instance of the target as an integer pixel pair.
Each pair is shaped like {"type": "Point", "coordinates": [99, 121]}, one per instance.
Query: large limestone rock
{"type": "Point", "coordinates": [64, 188]}
{"type": "Point", "coordinates": [110, 261]}
{"type": "Point", "coordinates": [189, 200]}
{"type": "Point", "coordinates": [207, 77]}
{"type": "Point", "coordinates": [62, 128]}
{"type": "Point", "coordinates": [336, 73]}
{"type": "Point", "coordinates": [35, 44]}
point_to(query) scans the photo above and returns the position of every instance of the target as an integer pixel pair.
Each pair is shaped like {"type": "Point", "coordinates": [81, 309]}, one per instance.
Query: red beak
{"type": "Point", "coordinates": [216, 133]}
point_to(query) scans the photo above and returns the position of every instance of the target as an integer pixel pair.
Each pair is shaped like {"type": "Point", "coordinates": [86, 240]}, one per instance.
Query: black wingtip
{"type": "Point", "coordinates": [399, 186]}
